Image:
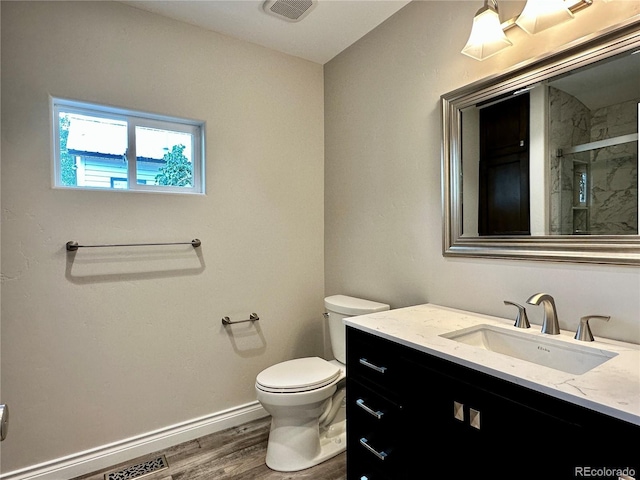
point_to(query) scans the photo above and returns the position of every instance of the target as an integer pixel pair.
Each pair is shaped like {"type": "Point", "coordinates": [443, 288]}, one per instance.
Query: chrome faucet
{"type": "Point", "coordinates": [550, 318]}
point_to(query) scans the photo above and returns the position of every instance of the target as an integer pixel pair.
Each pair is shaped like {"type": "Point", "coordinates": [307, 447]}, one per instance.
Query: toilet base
{"type": "Point", "coordinates": [293, 448]}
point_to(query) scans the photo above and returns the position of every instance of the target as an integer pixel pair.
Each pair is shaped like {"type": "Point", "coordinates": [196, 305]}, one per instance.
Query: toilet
{"type": "Point", "coordinates": [305, 396]}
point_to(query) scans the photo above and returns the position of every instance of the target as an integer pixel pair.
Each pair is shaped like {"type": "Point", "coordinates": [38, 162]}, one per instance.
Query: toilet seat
{"type": "Point", "coordinates": [298, 375]}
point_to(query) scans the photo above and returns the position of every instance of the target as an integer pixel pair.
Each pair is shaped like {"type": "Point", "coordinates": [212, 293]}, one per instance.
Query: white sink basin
{"type": "Point", "coordinates": [536, 348]}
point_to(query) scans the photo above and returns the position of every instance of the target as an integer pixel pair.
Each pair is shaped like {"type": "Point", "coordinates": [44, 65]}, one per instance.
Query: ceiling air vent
{"type": "Point", "coordinates": [289, 10]}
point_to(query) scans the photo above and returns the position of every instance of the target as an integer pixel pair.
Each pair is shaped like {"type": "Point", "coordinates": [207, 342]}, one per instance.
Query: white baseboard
{"type": "Point", "coordinates": [102, 457]}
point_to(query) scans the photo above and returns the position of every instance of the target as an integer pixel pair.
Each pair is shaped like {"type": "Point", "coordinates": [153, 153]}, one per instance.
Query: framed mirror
{"type": "Point", "coordinates": [541, 162]}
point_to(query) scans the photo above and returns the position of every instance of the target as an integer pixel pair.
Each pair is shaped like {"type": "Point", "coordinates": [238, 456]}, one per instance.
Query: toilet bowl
{"type": "Point", "coordinates": [296, 394]}
{"type": "Point", "coordinates": [305, 397]}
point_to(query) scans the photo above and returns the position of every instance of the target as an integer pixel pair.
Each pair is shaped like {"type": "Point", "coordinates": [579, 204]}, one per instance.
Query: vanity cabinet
{"type": "Point", "coordinates": [433, 418]}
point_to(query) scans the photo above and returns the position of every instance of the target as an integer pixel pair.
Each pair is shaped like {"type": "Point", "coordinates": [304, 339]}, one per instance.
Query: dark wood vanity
{"type": "Point", "coordinates": [415, 415]}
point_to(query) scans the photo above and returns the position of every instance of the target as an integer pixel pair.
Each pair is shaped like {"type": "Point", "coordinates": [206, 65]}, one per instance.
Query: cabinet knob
{"type": "Point", "coordinates": [458, 411]}
{"type": "Point", "coordinates": [474, 418]}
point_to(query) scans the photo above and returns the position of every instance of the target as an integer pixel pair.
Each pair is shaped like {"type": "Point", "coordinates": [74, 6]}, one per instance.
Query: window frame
{"type": "Point", "coordinates": [133, 118]}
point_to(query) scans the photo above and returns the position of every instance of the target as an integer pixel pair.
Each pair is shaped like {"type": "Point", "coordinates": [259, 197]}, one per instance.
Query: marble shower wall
{"type": "Point", "coordinates": [569, 124]}
{"type": "Point", "coordinates": [611, 205]}
{"type": "Point", "coordinates": [614, 172]}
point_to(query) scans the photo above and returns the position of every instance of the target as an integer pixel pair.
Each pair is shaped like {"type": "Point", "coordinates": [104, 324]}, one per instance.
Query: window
{"type": "Point", "coordinates": [101, 147]}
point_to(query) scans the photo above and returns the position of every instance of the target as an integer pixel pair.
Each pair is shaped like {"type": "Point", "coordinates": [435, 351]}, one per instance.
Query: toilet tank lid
{"type": "Point", "coordinates": [352, 306]}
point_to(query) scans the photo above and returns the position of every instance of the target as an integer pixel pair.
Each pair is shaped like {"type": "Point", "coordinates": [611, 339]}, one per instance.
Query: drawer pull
{"type": "Point", "coordinates": [366, 363]}
{"type": "Point", "coordinates": [378, 414]}
{"type": "Point", "coordinates": [365, 443]}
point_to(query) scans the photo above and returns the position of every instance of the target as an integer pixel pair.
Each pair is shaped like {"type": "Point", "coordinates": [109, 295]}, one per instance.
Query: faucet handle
{"type": "Point", "coordinates": [521, 318]}
{"type": "Point", "coordinates": [583, 332]}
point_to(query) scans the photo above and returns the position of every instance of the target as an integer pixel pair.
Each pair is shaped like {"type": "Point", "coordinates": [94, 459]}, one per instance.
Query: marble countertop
{"type": "Point", "coordinates": [612, 388]}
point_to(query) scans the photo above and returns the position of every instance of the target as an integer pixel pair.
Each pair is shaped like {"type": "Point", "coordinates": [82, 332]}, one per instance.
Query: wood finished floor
{"type": "Point", "coordinates": [236, 453]}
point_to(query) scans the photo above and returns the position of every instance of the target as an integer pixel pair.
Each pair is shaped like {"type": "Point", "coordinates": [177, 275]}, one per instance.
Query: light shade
{"type": "Point", "coordinates": [539, 15]}
{"type": "Point", "coordinates": [487, 37]}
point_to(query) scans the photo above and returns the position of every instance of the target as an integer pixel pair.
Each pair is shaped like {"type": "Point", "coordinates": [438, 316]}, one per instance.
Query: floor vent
{"type": "Point", "coordinates": [139, 470]}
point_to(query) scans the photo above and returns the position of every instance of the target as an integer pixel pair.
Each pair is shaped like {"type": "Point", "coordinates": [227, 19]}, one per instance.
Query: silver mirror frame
{"type": "Point", "coordinates": [602, 249]}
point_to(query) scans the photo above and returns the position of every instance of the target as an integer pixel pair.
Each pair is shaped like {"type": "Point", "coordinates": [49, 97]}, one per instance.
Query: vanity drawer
{"type": "Point", "coordinates": [365, 474]}
{"type": "Point", "coordinates": [375, 457]}
{"type": "Point", "coordinates": [372, 361]}
{"type": "Point", "coordinates": [374, 433]}
{"type": "Point", "coordinates": [368, 410]}
{"type": "Point", "coordinates": [360, 464]}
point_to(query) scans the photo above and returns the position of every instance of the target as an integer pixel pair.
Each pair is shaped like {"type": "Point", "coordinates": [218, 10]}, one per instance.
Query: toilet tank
{"type": "Point", "coordinates": [339, 307]}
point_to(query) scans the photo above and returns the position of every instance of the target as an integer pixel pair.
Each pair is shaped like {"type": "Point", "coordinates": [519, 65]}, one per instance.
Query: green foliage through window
{"type": "Point", "coordinates": [67, 161]}
{"type": "Point", "coordinates": [177, 170]}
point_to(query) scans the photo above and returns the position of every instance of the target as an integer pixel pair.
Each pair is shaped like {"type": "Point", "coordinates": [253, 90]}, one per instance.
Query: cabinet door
{"type": "Point", "coordinates": [440, 438]}
{"type": "Point", "coordinates": [474, 432]}
{"type": "Point", "coordinates": [610, 448]}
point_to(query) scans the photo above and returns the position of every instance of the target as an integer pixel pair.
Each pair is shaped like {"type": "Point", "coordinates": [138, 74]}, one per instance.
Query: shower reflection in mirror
{"type": "Point", "coordinates": [562, 160]}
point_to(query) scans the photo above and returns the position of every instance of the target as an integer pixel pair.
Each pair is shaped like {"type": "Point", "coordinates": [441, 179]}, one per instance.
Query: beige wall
{"type": "Point", "coordinates": [123, 342]}
{"type": "Point", "coordinates": [382, 174]}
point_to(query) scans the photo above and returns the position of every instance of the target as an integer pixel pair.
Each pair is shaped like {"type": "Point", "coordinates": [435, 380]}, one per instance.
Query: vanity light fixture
{"type": "Point", "coordinates": [539, 15]}
{"type": "Point", "coordinates": [488, 34]}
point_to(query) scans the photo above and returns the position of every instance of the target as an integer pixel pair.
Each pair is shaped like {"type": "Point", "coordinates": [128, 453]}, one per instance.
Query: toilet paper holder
{"type": "Point", "coordinates": [252, 318]}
